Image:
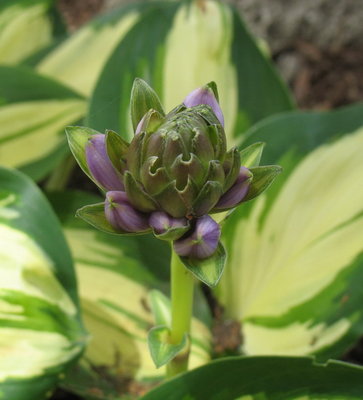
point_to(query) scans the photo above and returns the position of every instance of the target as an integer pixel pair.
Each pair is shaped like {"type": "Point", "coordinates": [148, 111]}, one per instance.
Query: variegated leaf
{"type": "Point", "coordinates": [295, 254]}
{"type": "Point", "coordinates": [182, 46]}
{"type": "Point", "coordinates": [33, 114]}
{"type": "Point", "coordinates": [78, 61]}
{"type": "Point", "coordinates": [264, 378]}
{"type": "Point", "coordinates": [25, 28]}
{"type": "Point", "coordinates": [40, 328]}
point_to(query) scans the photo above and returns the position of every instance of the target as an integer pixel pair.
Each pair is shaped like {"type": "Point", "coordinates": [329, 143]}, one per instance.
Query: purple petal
{"type": "Point", "coordinates": [121, 215]}
{"type": "Point", "coordinates": [205, 95]}
{"type": "Point", "coordinates": [238, 191]}
{"type": "Point", "coordinates": [203, 240]}
{"type": "Point", "coordinates": [100, 165]}
{"type": "Point", "coordinates": [162, 222]}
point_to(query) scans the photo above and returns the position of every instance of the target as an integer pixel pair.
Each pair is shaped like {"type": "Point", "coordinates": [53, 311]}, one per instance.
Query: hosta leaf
{"type": "Point", "coordinates": [208, 270]}
{"type": "Point", "coordinates": [218, 48]}
{"type": "Point", "coordinates": [40, 328]}
{"type": "Point", "coordinates": [25, 28]}
{"type": "Point", "coordinates": [78, 61]}
{"type": "Point", "coordinates": [295, 253]}
{"type": "Point", "coordinates": [264, 378]}
{"type": "Point", "coordinates": [115, 275]}
{"type": "Point", "coordinates": [33, 114]}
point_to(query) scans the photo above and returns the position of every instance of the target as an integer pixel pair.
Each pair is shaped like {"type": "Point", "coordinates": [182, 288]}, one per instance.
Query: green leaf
{"type": "Point", "coordinates": [262, 378]}
{"type": "Point", "coordinates": [161, 350]}
{"type": "Point", "coordinates": [25, 28]}
{"type": "Point", "coordinates": [33, 114]}
{"type": "Point", "coordinates": [262, 178]}
{"type": "Point", "coordinates": [95, 41]}
{"type": "Point", "coordinates": [295, 253]}
{"type": "Point", "coordinates": [251, 155]}
{"type": "Point", "coordinates": [248, 86]}
{"type": "Point", "coordinates": [116, 274]}
{"type": "Point", "coordinates": [143, 99]}
{"type": "Point", "coordinates": [40, 329]}
{"type": "Point", "coordinates": [208, 270]}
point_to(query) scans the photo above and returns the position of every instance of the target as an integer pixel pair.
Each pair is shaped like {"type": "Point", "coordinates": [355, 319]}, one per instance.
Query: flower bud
{"type": "Point", "coordinates": [100, 166]}
{"type": "Point", "coordinates": [203, 240]}
{"type": "Point", "coordinates": [166, 227]}
{"type": "Point", "coordinates": [205, 95]}
{"type": "Point", "coordinates": [121, 215]}
{"type": "Point", "coordinates": [235, 195]}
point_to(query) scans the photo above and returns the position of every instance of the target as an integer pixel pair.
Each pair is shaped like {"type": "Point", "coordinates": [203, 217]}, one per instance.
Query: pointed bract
{"type": "Point", "coordinates": [143, 98]}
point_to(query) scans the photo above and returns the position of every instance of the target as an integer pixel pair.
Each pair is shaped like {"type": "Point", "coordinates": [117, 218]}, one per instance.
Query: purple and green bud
{"type": "Point", "coordinates": [175, 171]}
{"type": "Point", "coordinates": [167, 228]}
{"type": "Point", "coordinates": [122, 215]}
{"type": "Point", "coordinates": [202, 241]}
{"type": "Point", "coordinates": [205, 95]}
{"type": "Point", "coordinates": [100, 165]}
{"type": "Point", "coordinates": [235, 195]}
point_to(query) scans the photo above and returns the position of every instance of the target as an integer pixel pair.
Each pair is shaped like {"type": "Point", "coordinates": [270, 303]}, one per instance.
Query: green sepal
{"type": "Point", "coordinates": [207, 198]}
{"type": "Point", "coordinates": [154, 178]}
{"type": "Point", "coordinates": [251, 155]}
{"type": "Point", "coordinates": [94, 215]}
{"type": "Point", "coordinates": [116, 148]}
{"type": "Point", "coordinates": [171, 201]}
{"type": "Point", "coordinates": [216, 172]}
{"type": "Point", "coordinates": [202, 145]}
{"type": "Point", "coordinates": [262, 178]}
{"type": "Point", "coordinates": [151, 121]}
{"type": "Point", "coordinates": [78, 137]}
{"type": "Point", "coordinates": [137, 196]}
{"type": "Point", "coordinates": [176, 110]}
{"type": "Point", "coordinates": [173, 233]}
{"type": "Point", "coordinates": [143, 98]}
{"type": "Point", "coordinates": [218, 139]}
{"type": "Point", "coordinates": [181, 170]}
{"type": "Point", "coordinates": [208, 270]}
{"type": "Point", "coordinates": [160, 307]}
{"type": "Point", "coordinates": [213, 87]}
{"type": "Point", "coordinates": [134, 154]}
{"type": "Point", "coordinates": [207, 114]}
{"type": "Point", "coordinates": [161, 350]}
{"type": "Point", "coordinates": [231, 166]}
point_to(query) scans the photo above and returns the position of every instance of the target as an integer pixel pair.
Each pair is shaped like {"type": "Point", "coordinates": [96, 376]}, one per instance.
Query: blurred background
{"type": "Point", "coordinates": [316, 44]}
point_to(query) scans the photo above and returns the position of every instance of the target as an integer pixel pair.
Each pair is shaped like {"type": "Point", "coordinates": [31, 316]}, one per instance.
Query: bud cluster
{"type": "Point", "coordinates": [174, 173]}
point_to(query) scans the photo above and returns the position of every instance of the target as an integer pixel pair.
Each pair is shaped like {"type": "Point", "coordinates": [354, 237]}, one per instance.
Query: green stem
{"type": "Point", "coordinates": [59, 178]}
{"type": "Point", "coordinates": [182, 288]}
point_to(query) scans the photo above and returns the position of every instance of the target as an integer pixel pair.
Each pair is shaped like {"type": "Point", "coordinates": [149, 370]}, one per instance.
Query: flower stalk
{"type": "Point", "coordinates": [182, 290]}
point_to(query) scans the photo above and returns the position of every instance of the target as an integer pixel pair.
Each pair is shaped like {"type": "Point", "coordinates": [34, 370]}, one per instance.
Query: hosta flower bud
{"type": "Point", "coordinates": [121, 215]}
{"type": "Point", "coordinates": [202, 241]}
{"type": "Point", "coordinates": [237, 192]}
{"type": "Point", "coordinates": [100, 165]}
{"type": "Point", "coordinates": [175, 171]}
{"type": "Point", "coordinates": [166, 227]}
{"type": "Point", "coordinates": [205, 95]}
